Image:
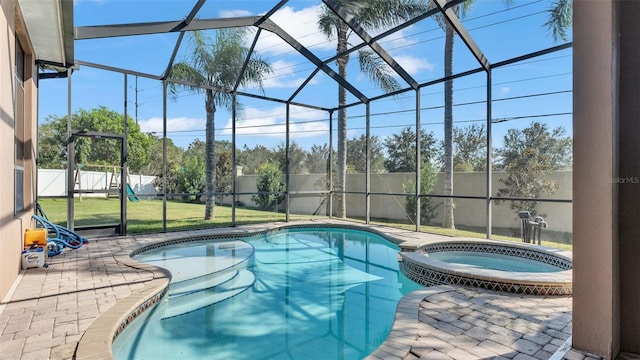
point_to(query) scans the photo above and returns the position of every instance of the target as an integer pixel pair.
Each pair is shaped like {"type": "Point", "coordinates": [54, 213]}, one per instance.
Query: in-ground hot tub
{"type": "Point", "coordinates": [492, 265]}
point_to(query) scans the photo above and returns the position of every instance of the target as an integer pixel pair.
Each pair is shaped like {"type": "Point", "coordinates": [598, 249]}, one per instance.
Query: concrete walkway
{"type": "Point", "coordinates": [49, 309]}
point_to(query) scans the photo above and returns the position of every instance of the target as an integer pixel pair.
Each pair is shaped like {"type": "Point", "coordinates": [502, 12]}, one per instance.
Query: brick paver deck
{"type": "Point", "coordinates": [49, 310]}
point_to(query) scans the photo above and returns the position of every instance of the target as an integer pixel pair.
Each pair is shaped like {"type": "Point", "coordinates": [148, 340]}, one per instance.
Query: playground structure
{"type": "Point", "coordinates": [112, 186]}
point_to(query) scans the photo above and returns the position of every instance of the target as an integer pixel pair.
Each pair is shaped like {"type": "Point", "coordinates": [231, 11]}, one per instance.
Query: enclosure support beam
{"type": "Point", "coordinates": [160, 27]}
{"type": "Point", "coordinates": [70, 157]}
{"type": "Point", "coordinates": [246, 61]}
{"type": "Point", "coordinates": [287, 159]}
{"type": "Point", "coordinates": [164, 156]}
{"type": "Point", "coordinates": [489, 178]}
{"type": "Point", "coordinates": [456, 24]}
{"type": "Point", "coordinates": [364, 35]}
{"type": "Point", "coordinates": [274, 28]}
{"type": "Point", "coordinates": [330, 165]}
{"type": "Point", "coordinates": [234, 166]}
{"type": "Point", "coordinates": [124, 170]}
{"type": "Point", "coordinates": [418, 160]}
{"type": "Point", "coordinates": [367, 179]}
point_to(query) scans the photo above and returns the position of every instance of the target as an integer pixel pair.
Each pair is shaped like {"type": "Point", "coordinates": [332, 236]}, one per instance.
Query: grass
{"type": "Point", "coordinates": [472, 234]}
{"type": "Point", "coordinates": [145, 216]}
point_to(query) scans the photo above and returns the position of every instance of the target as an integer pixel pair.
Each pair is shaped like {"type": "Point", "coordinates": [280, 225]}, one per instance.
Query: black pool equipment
{"type": "Point", "coordinates": [530, 230]}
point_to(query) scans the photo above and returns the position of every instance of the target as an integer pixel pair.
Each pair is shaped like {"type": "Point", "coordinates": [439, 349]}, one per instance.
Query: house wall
{"type": "Point", "coordinates": [606, 257]}
{"type": "Point", "coordinates": [12, 225]}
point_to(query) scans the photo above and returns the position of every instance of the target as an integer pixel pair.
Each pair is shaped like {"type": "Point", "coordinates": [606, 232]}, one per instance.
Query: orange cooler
{"type": "Point", "coordinates": [35, 237]}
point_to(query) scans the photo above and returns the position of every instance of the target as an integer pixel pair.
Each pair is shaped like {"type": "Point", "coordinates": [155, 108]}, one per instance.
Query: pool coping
{"type": "Point", "coordinates": [96, 342]}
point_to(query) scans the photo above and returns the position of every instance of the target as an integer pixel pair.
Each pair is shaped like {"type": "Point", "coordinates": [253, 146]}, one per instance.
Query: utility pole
{"type": "Point", "coordinates": [136, 100]}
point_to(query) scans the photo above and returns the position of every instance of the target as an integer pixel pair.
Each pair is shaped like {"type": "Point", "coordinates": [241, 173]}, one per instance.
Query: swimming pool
{"type": "Point", "coordinates": [292, 294]}
{"type": "Point", "coordinates": [490, 261]}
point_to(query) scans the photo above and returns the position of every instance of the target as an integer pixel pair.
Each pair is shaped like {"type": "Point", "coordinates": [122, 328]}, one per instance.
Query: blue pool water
{"type": "Point", "coordinates": [493, 261]}
{"type": "Point", "coordinates": [294, 294]}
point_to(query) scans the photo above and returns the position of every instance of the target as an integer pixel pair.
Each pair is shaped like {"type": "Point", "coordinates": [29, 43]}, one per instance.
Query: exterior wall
{"type": "Point", "coordinates": [629, 192]}
{"type": "Point", "coordinates": [12, 226]}
{"type": "Point", "coordinates": [595, 259]}
{"type": "Point", "coordinates": [606, 259]}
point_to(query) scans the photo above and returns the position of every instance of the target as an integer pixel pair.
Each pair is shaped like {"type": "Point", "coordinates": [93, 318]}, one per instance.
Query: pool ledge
{"type": "Point", "coordinates": [405, 325]}
{"type": "Point", "coordinates": [97, 341]}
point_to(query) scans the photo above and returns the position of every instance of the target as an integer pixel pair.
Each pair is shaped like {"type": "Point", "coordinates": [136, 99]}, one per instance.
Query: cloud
{"type": "Point", "coordinates": [287, 75]}
{"type": "Point", "coordinates": [505, 90]}
{"type": "Point", "coordinates": [301, 25]}
{"type": "Point", "coordinates": [154, 124]}
{"type": "Point", "coordinates": [271, 123]}
{"type": "Point", "coordinates": [234, 13]}
{"type": "Point", "coordinates": [397, 40]}
{"type": "Point", "coordinates": [412, 64]}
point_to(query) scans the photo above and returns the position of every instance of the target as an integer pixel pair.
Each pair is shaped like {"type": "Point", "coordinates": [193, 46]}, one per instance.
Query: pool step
{"type": "Point", "coordinates": [201, 283]}
{"type": "Point", "coordinates": [183, 304]}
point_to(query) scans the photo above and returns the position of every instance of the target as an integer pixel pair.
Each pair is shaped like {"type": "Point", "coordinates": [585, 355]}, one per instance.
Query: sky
{"type": "Point", "coordinates": [537, 89]}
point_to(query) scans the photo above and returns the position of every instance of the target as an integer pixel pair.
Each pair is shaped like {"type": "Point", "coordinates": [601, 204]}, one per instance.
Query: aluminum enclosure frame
{"type": "Point", "coordinates": [190, 23]}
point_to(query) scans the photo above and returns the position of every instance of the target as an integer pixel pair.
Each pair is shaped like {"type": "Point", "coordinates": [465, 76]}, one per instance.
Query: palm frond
{"type": "Point", "coordinates": [381, 14]}
{"type": "Point", "coordinates": [378, 71]}
{"type": "Point", "coordinates": [219, 63]}
{"type": "Point", "coordinates": [560, 19]}
{"type": "Point", "coordinates": [255, 72]}
{"type": "Point", "coordinates": [185, 72]}
{"type": "Point", "coordinates": [328, 22]}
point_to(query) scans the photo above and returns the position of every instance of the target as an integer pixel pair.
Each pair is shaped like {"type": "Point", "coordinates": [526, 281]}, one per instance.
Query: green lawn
{"type": "Point", "coordinates": [145, 216]}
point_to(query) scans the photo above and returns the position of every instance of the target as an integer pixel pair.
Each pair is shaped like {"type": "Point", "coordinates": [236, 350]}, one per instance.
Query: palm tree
{"type": "Point", "coordinates": [558, 23]}
{"type": "Point", "coordinates": [217, 65]}
{"type": "Point", "coordinates": [371, 15]}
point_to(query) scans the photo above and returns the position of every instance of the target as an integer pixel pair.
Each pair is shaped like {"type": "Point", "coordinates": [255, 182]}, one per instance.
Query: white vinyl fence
{"type": "Point", "coordinates": [53, 182]}
{"type": "Point", "coordinates": [469, 212]}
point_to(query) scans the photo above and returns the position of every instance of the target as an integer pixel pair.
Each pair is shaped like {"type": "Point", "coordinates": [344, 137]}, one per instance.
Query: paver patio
{"type": "Point", "coordinates": [49, 309]}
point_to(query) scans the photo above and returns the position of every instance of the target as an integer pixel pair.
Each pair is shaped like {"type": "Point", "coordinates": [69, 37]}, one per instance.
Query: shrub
{"type": "Point", "coordinates": [428, 177]}
{"type": "Point", "coordinates": [269, 186]}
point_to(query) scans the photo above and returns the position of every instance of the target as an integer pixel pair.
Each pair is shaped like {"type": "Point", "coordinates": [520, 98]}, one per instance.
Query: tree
{"type": "Point", "coordinates": [371, 15]}
{"type": "Point", "coordinates": [191, 174]}
{"type": "Point", "coordinates": [154, 166]}
{"type": "Point", "coordinates": [269, 186]}
{"type": "Point", "coordinates": [528, 156]}
{"type": "Point", "coordinates": [317, 159]}
{"type": "Point", "coordinates": [52, 146]}
{"type": "Point", "coordinates": [560, 18]}
{"type": "Point", "coordinates": [251, 159]}
{"type": "Point", "coordinates": [218, 66]}
{"type": "Point", "coordinates": [224, 168]}
{"type": "Point", "coordinates": [357, 154]}
{"type": "Point", "coordinates": [428, 178]}
{"type": "Point", "coordinates": [401, 150]}
{"type": "Point", "coordinates": [470, 148]}
{"type": "Point", "coordinates": [174, 165]}
{"type": "Point", "coordinates": [297, 158]}
{"type": "Point", "coordinates": [459, 10]}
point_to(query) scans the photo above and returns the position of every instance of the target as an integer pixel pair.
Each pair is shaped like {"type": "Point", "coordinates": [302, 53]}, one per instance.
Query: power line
{"type": "Point", "coordinates": [500, 120]}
